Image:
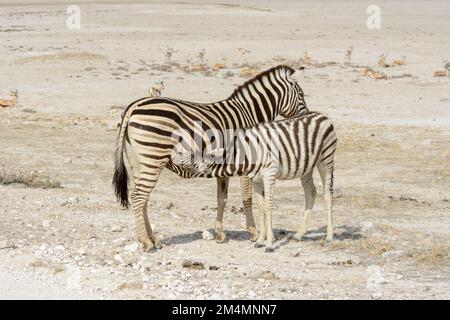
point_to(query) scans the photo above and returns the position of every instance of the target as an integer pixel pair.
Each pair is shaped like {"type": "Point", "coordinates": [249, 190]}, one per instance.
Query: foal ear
{"type": "Point", "coordinates": [297, 75]}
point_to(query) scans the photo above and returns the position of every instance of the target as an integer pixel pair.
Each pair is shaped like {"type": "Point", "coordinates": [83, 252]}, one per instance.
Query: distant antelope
{"type": "Point", "coordinates": [168, 55]}
{"type": "Point", "coordinates": [243, 51]}
{"type": "Point", "coordinates": [306, 58]}
{"type": "Point", "coordinates": [382, 61]}
{"type": "Point", "coordinates": [447, 64]}
{"type": "Point", "coordinates": [10, 102]}
{"type": "Point", "coordinates": [249, 71]}
{"type": "Point", "coordinates": [374, 74]}
{"type": "Point", "coordinates": [201, 55]}
{"type": "Point", "coordinates": [157, 89]}
{"type": "Point", "coordinates": [445, 73]}
{"type": "Point", "coordinates": [348, 55]}
{"type": "Point", "coordinates": [399, 62]}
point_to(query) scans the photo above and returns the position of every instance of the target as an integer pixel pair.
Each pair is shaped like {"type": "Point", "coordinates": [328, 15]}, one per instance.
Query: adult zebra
{"type": "Point", "coordinates": [145, 139]}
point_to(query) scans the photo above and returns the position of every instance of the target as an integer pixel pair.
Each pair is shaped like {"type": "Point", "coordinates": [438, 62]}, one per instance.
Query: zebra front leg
{"type": "Point", "coordinates": [222, 196]}
{"type": "Point", "coordinates": [259, 192]}
{"type": "Point", "coordinates": [246, 193]}
{"type": "Point", "coordinates": [310, 197]}
{"type": "Point", "coordinates": [326, 174]}
{"type": "Point", "coordinates": [269, 186]}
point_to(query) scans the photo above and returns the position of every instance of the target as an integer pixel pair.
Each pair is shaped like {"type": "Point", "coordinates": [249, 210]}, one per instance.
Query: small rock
{"type": "Point", "coordinates": [193, 265]}
{"type": "Point", "coordinates": [133, 247]}
{"type": "Point", "coordinates": [28, 110]}
{"type": "Point", "coordinates": [116, 228]}
{"type": "Point", "coordinates": [133, 285]}
{"type": "Point", "coordinates": [118, 258]}
{"type": "Point", "coordinates": [268, 275]}
{"type": "Point", "coordinates": [169, 205]}
{"type": "Point", "coordinates": [366, 226]}
{"type": "Point", "coordinates": [393, 254]}
{"type": "Point", "coordinates": [7, 244]}
{"type": "Point", "coordinates": [46, 223]}
{"type": "Point", "coordinates": [207, 235]}
{"type": "Point", "coordinates": [377, 295]}
{"type": "Point", "coordinates": [214, 268]}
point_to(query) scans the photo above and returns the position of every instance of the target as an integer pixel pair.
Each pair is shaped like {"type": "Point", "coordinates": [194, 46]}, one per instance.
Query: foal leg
{"type": "Point", "coordinates": [222, 196]}
{"type": "Point", "coordinates": [246, 193]}
{"type": "Point", "coordinates": [269, 186]}
{"type": "Point", "coordinates": [259, 192]}
{"type": "Point", "coordinates": [326, 173]}
{"type": "Point", "coordinates": [310, 197]}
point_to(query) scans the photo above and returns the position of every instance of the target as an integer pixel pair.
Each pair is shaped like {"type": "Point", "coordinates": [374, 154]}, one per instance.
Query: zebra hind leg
{"type": "Point", "coordinates": [144, 184]}
{"type": "Point", "coordinates": [326, 174]}
{"type": "Point", "coordinates": [259, 192]}
{"type": "Point", "coordinates": [269, 186]}
{"type": "Point", "coordinates": [139, 200]}
{"type": "Point", "coordinates": [246, 193]}
{"type": "Point", "coordinates": [310, 197]}
{"type": "Point", "coordinates": [222, 196]}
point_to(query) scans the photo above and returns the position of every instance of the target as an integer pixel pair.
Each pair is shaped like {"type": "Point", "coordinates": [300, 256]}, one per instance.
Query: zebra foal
{"type": "Point", "coordinates": [284, 150]}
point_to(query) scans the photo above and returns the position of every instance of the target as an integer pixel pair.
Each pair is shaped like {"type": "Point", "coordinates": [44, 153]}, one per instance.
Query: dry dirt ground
{"type": "Point", "coordinates": [62, 234]}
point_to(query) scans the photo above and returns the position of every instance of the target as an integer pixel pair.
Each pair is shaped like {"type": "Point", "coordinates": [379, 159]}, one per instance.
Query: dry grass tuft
{"type": "Point", "coordinates": [437, 254]}
{"type": "Point", "coordinates": [28, 178]}
{"type": "Point", "coordinates": [369, 245]}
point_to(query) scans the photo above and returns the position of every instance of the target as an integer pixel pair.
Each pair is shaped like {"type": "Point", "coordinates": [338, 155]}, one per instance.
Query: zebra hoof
{"type": "Point", "coordinates": [148, 247]}
{"type": "Point", "coordinates": [269, 249]}
{"type": "Point", "coordinates": [221, 237]}
{"type": "Point", "coordinates": [259, 245]}
{"type": "Point", "coordinates": [158, 245]}
{"type": "Point", "coordinates": [298, 236]}
{"type": "Point", "coordinates": [253, 235]}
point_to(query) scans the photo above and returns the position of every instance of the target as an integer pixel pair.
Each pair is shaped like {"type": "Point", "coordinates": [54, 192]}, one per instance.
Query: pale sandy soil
{"type": "Point", "coordinates": [392, 213]}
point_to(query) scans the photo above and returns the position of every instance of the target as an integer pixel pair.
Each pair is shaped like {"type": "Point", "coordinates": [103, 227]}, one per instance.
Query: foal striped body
{"type": "Point", "coordinates": [284, 150]}
{"type": "Point", "coordinates": [146, 138]}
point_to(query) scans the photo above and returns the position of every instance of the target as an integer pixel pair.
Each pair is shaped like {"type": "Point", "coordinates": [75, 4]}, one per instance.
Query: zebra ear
{"type": "Point", "coordinates": [297, 75]}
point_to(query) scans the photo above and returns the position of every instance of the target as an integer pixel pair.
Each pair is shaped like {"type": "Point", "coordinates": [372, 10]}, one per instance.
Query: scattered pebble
{"type": "Point", "coordinates": [133, 285]}
{"type": "Point", "coordinates": [267, 275]}
{"type": "Point", "coordinates": [207, 235]}
{"type": "Point", "coordinates": [133, 247]}
{"type": "Point", "coordinates": [116, 228]}
{"type": "Point", "coordinates": [7, 244]}
{"type": "Point", "coordinates": [193, 265]}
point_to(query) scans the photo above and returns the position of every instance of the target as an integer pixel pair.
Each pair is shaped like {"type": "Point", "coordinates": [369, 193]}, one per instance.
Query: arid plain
{"type": "Point", "coordinates": [62, 233]}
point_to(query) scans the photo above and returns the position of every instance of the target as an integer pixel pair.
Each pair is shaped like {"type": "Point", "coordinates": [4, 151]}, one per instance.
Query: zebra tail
{"type": "Point", "coordinates": [120, 178]}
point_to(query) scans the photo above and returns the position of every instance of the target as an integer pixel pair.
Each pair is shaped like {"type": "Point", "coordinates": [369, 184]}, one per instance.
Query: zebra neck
{"type": "Point", "coordinates": [256, 108]}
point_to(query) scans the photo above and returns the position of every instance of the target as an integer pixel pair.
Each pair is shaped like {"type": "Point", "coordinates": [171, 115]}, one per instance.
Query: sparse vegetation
{"type": "Point", "coordinates": [29, 179]}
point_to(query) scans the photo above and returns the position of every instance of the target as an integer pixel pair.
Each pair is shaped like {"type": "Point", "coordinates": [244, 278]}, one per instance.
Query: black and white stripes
{"type": "Point", "coordinates": [146, 138]}
{"type": "Point", "coordinates": [285, 149]}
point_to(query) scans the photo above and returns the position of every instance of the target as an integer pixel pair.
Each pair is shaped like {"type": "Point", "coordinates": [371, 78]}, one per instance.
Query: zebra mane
{"type": "Point", "coordinates": [288, 70]}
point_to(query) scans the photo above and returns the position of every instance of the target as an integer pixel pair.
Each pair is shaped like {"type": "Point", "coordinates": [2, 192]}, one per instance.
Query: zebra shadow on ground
{"type": "Point", "coordinates": [342, 232]}
{"type": "Point", "coordinates": [234, 235]}
{"type": "Point", "coordinates": [283, 235]}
